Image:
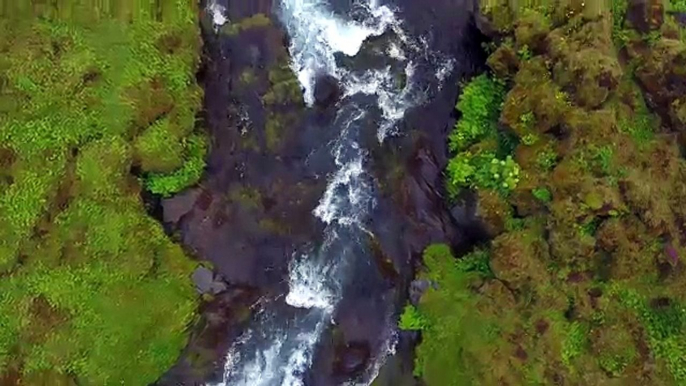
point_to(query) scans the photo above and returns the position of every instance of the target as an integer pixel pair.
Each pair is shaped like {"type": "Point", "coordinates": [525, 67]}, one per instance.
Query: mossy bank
{"type": "Point", "coordinates": [573, 144]}
{"type": "Point", "coordinates": [96, 104]}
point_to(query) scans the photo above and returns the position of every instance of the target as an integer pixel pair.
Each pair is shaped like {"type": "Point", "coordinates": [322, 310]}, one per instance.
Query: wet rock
{"type": "Point", "coordinates": [351, 359]}
{"type": "Point", "coordinates": [177, 207]}
{"type": "Point", "coordinates": [326, 91]}
{"type": "Point", "coordinates": [206, 282]}
{"type": "Point", "coordinates": [417, 289]}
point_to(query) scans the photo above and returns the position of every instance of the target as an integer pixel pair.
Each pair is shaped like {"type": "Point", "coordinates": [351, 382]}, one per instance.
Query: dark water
{"type": "Point", "coordinates": [373, 159]}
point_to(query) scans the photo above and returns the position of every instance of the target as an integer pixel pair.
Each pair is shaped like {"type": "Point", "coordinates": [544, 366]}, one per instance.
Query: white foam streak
{"type": "Point", "coordinates": [218, 13]}
{"type": "Point", "coordinates": [308, 287]}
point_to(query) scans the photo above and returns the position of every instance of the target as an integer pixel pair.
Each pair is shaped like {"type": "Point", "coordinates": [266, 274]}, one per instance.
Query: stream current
{"type": "Point", "coordinates": [281, 342]}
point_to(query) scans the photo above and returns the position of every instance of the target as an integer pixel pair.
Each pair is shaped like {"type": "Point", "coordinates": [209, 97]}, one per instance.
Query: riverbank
{"type": "Point", "coordinates": [573, 143]}
{"type": "Point", "coordinates": [97, 105]}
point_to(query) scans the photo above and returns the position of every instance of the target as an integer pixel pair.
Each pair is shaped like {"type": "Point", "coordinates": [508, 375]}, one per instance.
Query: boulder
{"type": "Point", "coordinates": [326, 91]}
{"type": "Point", "coordinates": [351, 359]}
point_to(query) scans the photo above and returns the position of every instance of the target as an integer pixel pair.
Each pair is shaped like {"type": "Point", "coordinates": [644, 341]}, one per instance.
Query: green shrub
{"type": "Point", "coordinates": [411, 319]}
{"type": "Point", "coordinates": [482, 171]}
{"type": "Point", "coordinates": [480, 104]}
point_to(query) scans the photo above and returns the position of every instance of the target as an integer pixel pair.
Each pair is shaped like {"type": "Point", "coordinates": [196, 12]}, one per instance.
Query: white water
{"type": "Point", "coordinates": [279, 349]}
{"type": "Point", "coordinates": [218, 13]}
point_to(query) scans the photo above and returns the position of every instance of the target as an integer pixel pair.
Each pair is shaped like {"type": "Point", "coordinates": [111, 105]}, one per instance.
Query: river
{"type": "Point", "coordinates": [317, 236]}
{"type": "Point", "coordinates": [279, 346]}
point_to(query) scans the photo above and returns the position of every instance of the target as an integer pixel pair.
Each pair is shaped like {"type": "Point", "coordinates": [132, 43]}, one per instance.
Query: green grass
{"type": "Point", "coordinates": [91, 288]}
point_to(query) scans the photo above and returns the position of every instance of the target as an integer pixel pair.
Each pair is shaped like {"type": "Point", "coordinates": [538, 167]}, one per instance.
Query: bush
{"type": "Point", "coordinates": [480, 104]}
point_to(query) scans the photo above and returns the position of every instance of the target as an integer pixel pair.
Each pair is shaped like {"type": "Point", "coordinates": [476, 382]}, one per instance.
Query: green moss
{"type": "Point", "coordinates": [248, 76]}
{"type": "Point", "coordinates": [159, 149]}
{"type": "Point", "coordinates": [284, 88]}
{"type": "Point", "coordinates": [449, 336]}
{"type": "Point", "coordinates": [166, 184]}
{"type": "Point", "coordinates": [584, 255]}
{"type": "Point", "coordinates": [247, 196]}
{"type": "Point", "coordinates": [641, 124]}
{"type": "Point", "coordinates": [101, 293]}
{"type": "Point", "coordinates": [258, 20]}
{"type": "Point", "coordinates": [664, 328]}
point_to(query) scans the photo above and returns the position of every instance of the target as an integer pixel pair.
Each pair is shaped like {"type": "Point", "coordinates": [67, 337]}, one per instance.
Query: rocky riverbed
{"type": "Point", "coordinates": [267, 170]}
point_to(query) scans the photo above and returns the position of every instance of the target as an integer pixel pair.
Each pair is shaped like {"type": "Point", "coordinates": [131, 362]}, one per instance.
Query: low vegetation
{"type": "Point", "coordinates": [582, 280]}
{"type": "Point", "coordinates": [96, 103]}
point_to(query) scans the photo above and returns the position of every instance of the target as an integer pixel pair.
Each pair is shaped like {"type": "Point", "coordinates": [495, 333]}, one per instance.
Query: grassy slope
{"type": "Point", "coordinates": [91, 290]}
{"type": "Point", "coordinates": [584, 283]}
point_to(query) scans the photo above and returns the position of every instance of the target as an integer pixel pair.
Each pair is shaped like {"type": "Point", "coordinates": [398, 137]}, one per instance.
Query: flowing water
{"type": "Point", "coordinates": [279, 346]}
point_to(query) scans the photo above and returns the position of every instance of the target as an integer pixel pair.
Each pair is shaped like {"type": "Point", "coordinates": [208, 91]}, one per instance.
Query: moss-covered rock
{"type": "Point", "coordinates": [493, 211]}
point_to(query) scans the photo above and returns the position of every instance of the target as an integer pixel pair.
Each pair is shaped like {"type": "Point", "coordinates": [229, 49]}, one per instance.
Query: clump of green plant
{"type": "Point", "coordinates": [166, 184]}
{"type": "Point", "coordinates": [676, 5]}
{"type": "Point", "coordinates": [542, 194]}
{"type": "Point", "coordinates": [482, 171]}
{"type": "Point", "coordinates": [480, 104]}
{"type": "Point", "coordinates": [546, 159]}
{"type": "Point", "coordinates": [476, 261]}
{"type": "Point", "coordinates": [598, 159]}
{"type": "Point", "coordinates": [641, 126]}
{"type": "Point", "coordinates": [530, 139]}
{"type": "Point", "coordinates": [411, 319]}
{"type": "Point", "coordinates": [574, 343]}
{"type": "Point", "coordinates": [524, 53]}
